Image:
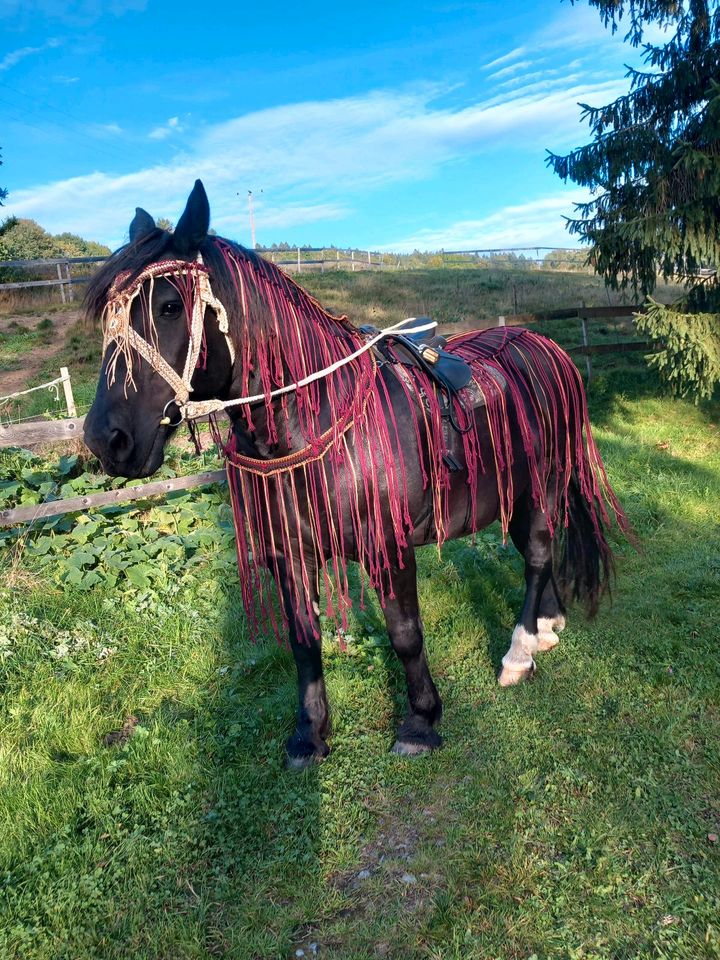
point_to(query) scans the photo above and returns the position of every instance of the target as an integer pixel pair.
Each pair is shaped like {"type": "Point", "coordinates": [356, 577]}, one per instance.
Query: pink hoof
{"type": "Point", "coordinates": [510, 676]}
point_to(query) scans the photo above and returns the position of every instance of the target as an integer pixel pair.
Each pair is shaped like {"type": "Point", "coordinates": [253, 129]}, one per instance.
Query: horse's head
{"type": "Point", "coordinates": [165, 337]}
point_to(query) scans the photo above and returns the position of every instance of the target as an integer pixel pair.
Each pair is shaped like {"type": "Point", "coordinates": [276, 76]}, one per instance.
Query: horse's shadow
{"type": "Point", "coordinates": [489, 574]}
{"type": "Point", "coordinates": [258, 811]}
{"type": "Point", "coordinates": [484, 574]}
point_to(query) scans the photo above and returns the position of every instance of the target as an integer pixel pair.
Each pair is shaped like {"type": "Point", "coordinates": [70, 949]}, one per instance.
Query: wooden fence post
{"type": "Point", "coordinates": [501, 321]}
{"type": "Point", "coordinates": [352, 257]}
{"type": "Point", "coordinates": [61, 281]}
{"type": "Point", "coordinates": [583, 324]}
{"type": "Point", "coordinates": [71, 293]}
{"type": "Point", "coordinates": [67, 387]}
{"type": "Point", "coordinates": [298, 260]}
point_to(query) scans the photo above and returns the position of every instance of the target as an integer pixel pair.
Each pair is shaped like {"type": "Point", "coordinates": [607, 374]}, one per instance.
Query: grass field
{"type": "Point", "coordinates": [145, 811]}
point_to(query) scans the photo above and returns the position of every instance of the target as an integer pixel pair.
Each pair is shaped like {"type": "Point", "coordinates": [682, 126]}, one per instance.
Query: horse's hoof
{"type": "Point", "coordinates": [302, 762]}
{"type": "Point", "coordinates": [546, 640]}
{"type": "Point", "coordinates": [547, 631]}
{"type": "Point", "coordinates": [299, 763]}
{"type": "Point", "coordinates": [407, 748]}
{"type": "Point", "coordinates": [510, 676]}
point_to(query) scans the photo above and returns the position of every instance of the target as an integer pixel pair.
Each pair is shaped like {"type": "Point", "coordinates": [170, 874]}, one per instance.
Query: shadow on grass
{"type": "Point", "coordinates": [260, 831]}
{"type": "Point", "coordinates": [614, 391]}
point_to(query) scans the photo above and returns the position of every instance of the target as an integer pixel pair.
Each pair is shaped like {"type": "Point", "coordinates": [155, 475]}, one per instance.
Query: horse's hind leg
{"type": "Point", "coordinates": [542, 610]}
{"type": "Point", "coordinates": [402, 616]}
{"type": "Point", "coordinates": [551, 617]}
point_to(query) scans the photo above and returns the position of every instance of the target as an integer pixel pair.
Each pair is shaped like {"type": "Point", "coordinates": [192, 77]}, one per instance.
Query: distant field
{"type": "Point", "coordinates": [459, 295]}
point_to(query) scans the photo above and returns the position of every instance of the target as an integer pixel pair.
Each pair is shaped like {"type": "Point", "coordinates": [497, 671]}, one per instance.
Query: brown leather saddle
{"type": "Point", "coordinates": [447, 372]}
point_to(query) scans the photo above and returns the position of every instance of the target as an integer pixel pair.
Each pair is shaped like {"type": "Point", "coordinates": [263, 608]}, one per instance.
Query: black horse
{"type": "Point", "coordinates": [338, 451]}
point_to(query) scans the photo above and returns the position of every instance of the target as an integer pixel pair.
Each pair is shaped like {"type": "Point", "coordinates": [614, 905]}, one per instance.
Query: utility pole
{"type": "Point", "coordinates": [252, 218]}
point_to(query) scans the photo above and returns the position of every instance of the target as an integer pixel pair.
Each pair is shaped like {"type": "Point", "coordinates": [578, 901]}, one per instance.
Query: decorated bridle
{"type": "Point", "coordinates": [192, 281]}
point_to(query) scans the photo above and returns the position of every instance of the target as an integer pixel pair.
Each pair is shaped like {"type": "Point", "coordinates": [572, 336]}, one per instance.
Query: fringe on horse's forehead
{"type": "Point", "coordinates": [131, 260]}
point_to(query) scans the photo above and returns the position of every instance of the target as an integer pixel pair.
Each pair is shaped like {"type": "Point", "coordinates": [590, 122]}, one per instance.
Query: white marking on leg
{"type": "Point", "coordinates": [546, 636]}
{"type": "Point", "coordinates": [518, 663]}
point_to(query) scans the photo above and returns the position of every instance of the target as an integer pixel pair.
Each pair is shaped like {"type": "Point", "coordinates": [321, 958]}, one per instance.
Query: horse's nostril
{"type": "Point", "coordinates": [120, 442]}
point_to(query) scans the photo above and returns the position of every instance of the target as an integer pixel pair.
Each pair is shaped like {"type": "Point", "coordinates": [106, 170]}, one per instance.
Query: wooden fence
{"type": "Point", "coordinates": [55, 431]}
{"type": "Point", "coordinates": [64, 278]}
{"type": "Point", "coordinates": [62, 381]}
{"type": "Point", "coordinates": [297, 260]}
{"type": "Point", "coordinates": [55, 508]}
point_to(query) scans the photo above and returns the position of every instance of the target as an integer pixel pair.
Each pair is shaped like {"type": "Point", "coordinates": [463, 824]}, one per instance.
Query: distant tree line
{"type": "Point", "coordinates": [22, 239]}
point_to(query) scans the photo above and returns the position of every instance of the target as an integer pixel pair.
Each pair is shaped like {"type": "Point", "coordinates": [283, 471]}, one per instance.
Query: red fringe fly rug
{"type": "Point", "coordinates": [284, 336]}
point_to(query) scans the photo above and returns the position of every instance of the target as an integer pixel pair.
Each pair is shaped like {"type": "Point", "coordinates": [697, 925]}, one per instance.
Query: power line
{"type": "Point", "coordinates": [79, 130]}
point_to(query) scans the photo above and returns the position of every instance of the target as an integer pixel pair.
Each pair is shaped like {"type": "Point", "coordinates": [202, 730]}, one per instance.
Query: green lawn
{"type": "Point", "coordinates": [145, 811]}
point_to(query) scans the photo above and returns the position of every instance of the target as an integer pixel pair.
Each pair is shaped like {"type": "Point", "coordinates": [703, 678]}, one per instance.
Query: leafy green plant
{"type": "Point", "coordinates": [689, 361]}
{"type": "Point", "coordinates": [135, 547]}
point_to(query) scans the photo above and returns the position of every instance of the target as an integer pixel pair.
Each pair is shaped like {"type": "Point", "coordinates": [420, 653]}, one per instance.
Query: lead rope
{"type": "Point", "coordinates": [190, 410]}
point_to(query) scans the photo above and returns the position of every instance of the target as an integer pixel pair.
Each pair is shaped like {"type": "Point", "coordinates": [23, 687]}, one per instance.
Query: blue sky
{"type": "Point", "coordinates": [396, 125]}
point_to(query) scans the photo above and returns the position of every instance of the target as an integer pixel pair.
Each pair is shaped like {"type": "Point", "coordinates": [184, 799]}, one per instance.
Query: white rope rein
{"type": "Point", "coordinates": [41, 386]}
{"type": "Point", "coordinates": [192, 410]}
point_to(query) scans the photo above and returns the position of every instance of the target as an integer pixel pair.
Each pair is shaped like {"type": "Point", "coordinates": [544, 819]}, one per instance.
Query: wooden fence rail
{"type": "Point", "coordinates": [40, 431]}
{"type": "Point", "coordinates": [294, 259]}
{"type": "Point", "coordinates": [63, 280]}
{"type": "Point", "coordinates": [55, 508]}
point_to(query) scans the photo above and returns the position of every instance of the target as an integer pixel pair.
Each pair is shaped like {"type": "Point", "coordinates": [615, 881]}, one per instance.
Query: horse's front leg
{"type": "Point", "coordinates": [307, 744]}
{"type": "Point", "coordinates": [402, 616]}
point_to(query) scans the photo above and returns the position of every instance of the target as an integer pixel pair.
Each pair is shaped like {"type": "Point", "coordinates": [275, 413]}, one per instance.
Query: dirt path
{"type": "Point", "coordinates": [14, 380]}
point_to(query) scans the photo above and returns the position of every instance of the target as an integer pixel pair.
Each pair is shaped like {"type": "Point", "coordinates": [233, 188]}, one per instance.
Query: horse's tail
{"type": "Point", "coordinates": [582, 559]}
{"type": "Point", "coordinates": [567, 475]}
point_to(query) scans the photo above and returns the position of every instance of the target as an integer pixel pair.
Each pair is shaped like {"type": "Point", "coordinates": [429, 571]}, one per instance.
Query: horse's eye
{"type": "Point", "coordinates": [171, 309]}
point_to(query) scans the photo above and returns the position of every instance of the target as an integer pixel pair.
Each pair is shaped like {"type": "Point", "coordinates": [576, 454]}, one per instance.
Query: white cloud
{"type": "Point", "coordinates": [15, 56]}
{"type": "Point", "coordinates": [103, 129]}
{"type": "Point", "coordinates": [539, 222]}
{"type": "Point", "coordinates": [161, 133]}
{"type": "Point", "coordinates": [313, 156]}
{"type": "Point", "coordinates": [513, 55]}
{"type": "Point", "coordinates": [274, 217]}
{"type": "Point", "coordinates": [513, 68]}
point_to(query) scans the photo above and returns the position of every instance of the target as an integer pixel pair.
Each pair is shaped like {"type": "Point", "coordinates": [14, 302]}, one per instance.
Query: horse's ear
{"type": "Point", "coordinates": [142, 223]}
{"type": "Point", "coordinates": [192, 227]}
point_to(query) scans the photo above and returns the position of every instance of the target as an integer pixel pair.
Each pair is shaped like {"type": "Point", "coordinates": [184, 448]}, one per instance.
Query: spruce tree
{"type": "Point", "coordinates": [653, 167]}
